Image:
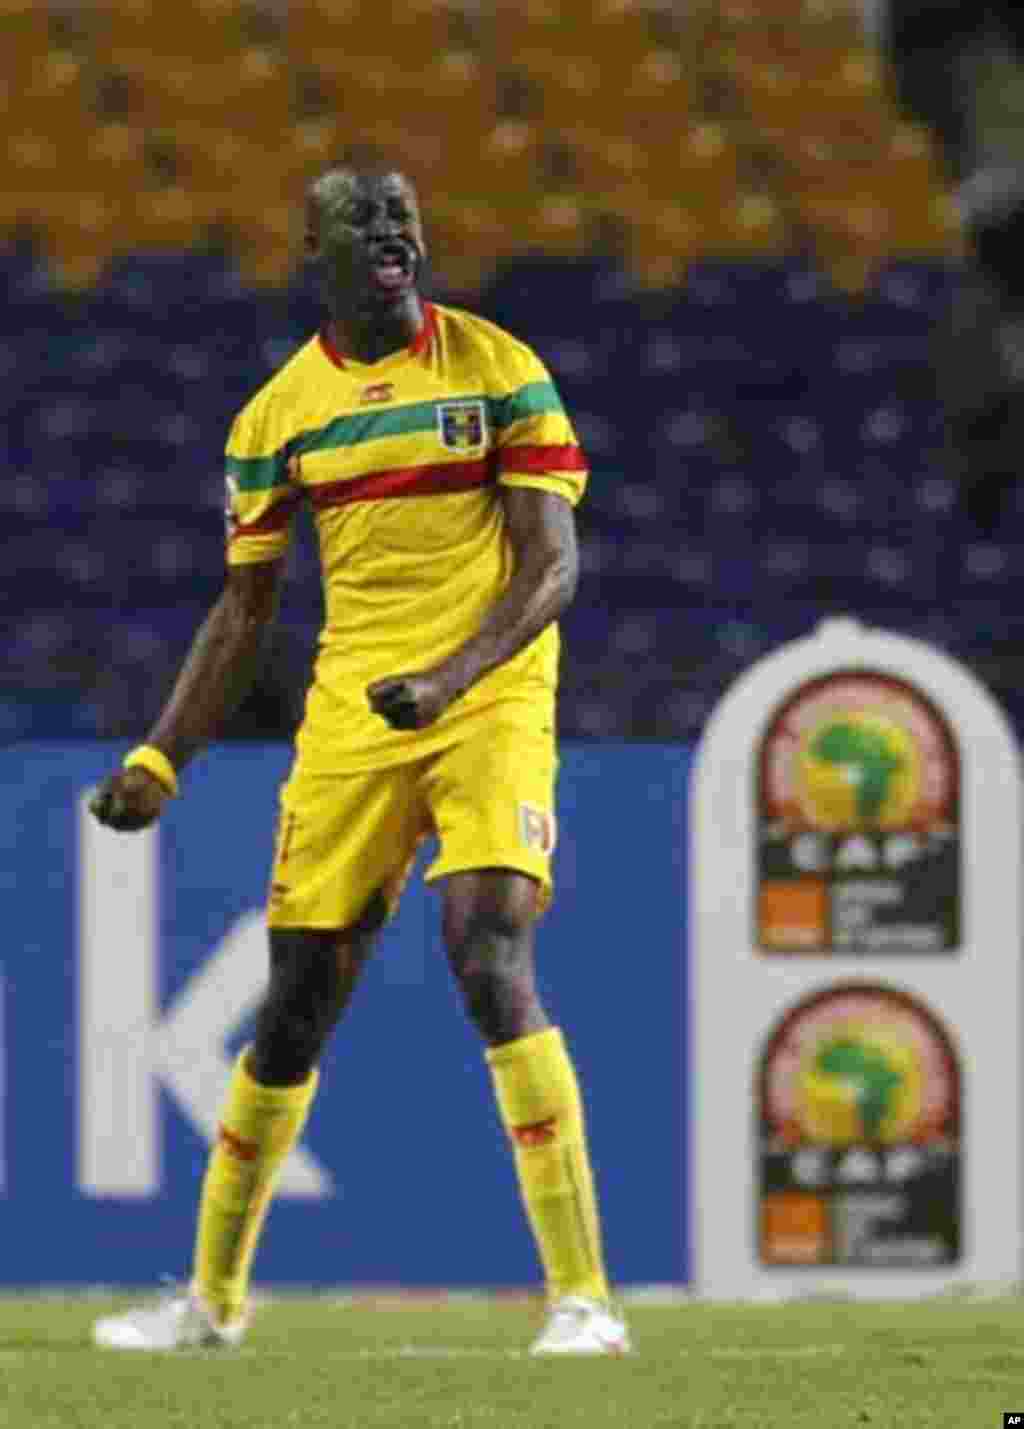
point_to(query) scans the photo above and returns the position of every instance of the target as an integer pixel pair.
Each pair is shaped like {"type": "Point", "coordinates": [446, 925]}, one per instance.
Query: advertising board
{"type": "Point", "coordinates": [856, 948]}
{"type": "Point", "coordinates": [131, 969]}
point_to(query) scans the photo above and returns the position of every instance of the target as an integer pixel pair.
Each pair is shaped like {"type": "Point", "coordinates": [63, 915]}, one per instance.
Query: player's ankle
{"type": "Point", "coordinates": [587, 1290]}
{"type": "Point", "coordinates": [223, 1313]}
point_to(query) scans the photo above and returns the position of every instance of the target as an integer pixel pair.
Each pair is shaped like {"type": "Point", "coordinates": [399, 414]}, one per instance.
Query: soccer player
{"type": "Point", "coordinates": [442, 472]}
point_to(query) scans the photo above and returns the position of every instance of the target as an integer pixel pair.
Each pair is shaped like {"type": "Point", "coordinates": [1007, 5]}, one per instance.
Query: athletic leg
{"type": "Point", "coordinates": [313, 974]}
{"type": "Point", "coordinates": [489, 917]}
{"type": "Point", "coordinates": [344, 847]}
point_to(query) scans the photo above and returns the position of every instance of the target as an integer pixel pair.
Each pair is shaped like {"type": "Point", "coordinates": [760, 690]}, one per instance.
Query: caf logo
{"type": "Point", "coordinates": [860, 1064]}
{"type": "Point", "coordinates": [858, 752]}
{"type": "Point", "coordinates": [861, 1082]}
{"type": "Point", "coordinates": [859, 768]}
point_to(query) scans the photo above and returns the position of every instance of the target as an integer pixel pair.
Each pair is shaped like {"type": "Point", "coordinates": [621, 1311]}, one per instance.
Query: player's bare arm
{"type": "Point", "coordinates": [542, 531]}
{"type": "Point", "coordinates": [218, 672]}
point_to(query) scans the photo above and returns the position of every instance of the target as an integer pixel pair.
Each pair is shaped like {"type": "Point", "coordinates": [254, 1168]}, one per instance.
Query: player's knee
{"type": "Point", "coordinates": [494, 930]}
{"type": "Point", "coordinates": [491, 954]}
{"type": "Point", "coordinates": [494, 911]}
{"type": "Point", "coordinates": [291, 1030]}
{"type": "Point", "coordinates": [501, 1001]}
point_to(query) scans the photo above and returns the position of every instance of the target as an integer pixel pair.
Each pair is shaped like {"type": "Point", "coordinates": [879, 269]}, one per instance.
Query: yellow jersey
{"type": "Point", "coordinates": [400, 462]}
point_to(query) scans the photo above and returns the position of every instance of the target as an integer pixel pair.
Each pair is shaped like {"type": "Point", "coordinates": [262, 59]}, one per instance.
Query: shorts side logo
{"type": "Point", "coordinates": [537, 828]}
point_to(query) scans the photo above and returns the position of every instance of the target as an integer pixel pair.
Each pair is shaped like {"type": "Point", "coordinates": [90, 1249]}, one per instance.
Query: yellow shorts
{"type": "Point", "coordinates": [342, 838]}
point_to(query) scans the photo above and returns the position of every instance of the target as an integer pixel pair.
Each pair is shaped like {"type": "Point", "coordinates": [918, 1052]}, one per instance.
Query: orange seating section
{"type": "Point", "coordinates": [723, 126]}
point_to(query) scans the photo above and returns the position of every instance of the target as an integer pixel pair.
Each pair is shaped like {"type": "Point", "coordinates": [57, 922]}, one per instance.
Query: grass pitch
{"type": "Point", "coordinates": [950, 1364]}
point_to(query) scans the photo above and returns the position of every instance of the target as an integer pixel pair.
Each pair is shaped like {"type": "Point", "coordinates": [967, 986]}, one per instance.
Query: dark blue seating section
{"type": "Point", "coordinates": [764, 453]}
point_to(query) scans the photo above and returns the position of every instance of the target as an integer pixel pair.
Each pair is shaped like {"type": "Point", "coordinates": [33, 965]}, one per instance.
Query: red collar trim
{"type": "Point", "coordinates": [328, 349]}
{"type": "Point", "coordinates": [421, 342]}
{"type": "Point", "coordinates": [419, 345]}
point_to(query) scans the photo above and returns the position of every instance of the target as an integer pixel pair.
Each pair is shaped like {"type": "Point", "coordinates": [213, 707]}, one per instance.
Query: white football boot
{"type": "Point", "coordinates": [579, 1326]}
{"type": "Point", "coordinates": [181, 1321]}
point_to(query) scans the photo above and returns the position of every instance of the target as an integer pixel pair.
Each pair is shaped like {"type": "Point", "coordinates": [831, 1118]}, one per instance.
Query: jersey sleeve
{"type": "Point", "coordinates": [261, 496]}
{"type": "Point", "coordinates": [536, 443]}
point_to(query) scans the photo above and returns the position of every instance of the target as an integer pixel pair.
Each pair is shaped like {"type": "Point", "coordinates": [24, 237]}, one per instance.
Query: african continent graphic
{"type": "Point", "coordinates": [858, 770]}
{"type": "Point", "coordinates": [859, 1084]}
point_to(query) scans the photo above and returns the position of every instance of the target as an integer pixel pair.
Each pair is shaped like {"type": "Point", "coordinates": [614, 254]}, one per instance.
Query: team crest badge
{"type": "Point", "coordinates": [461, 425]}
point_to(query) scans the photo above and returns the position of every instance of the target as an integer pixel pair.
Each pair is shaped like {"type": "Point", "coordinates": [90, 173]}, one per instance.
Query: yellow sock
{"type": "Point", "coordinates": [258, 1127]}
{"type": "Point", "coordinates": [540, 1105]}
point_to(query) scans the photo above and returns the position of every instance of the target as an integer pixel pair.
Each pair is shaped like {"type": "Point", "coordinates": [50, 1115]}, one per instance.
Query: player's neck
{"type": "Point", "coordinates": [370, 336]}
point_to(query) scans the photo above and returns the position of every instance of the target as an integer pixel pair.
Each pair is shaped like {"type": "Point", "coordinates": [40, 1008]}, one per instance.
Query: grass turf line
{"type": "Point", "coordinates": [311, 1364]}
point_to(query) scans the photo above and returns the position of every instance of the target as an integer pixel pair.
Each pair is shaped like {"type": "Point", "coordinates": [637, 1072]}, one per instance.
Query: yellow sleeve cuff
{"type": "Point", "coordinates": [155, 762]}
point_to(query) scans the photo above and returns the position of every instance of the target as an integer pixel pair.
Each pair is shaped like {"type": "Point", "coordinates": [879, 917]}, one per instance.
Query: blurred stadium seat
{"type": "Point", "coordinates": [714, 224]}
{"type": "Point", "coordinates": [710, 130]}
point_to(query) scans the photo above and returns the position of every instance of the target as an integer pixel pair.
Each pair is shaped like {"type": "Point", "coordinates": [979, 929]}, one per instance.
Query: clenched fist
{"type": "Point", "coordinates": [129, 799]}
{"type": "Point", "coordinates": [411, 701]}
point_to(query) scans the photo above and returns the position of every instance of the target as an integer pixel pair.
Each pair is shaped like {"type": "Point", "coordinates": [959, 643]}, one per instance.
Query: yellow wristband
{"type": "Point", "coordinates": [155, 762]}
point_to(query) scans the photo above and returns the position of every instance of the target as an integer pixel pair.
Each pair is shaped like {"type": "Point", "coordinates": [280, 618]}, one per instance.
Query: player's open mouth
{"type": "Point", "coordinates": [391, 266]}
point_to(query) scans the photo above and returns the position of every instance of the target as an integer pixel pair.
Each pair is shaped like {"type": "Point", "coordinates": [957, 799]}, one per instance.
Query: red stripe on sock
{"type": "Point", "coordinates": [536, 1133]}
{"type": "Point", "coordinates": [236, 1145]}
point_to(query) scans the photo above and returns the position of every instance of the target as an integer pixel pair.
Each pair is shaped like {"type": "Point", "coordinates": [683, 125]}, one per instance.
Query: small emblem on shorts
{"type": "Point", "coordinates": [461, 425]}
{"type": "Point", "coordinates": [537, 828]}
{"type": "Point", "coordinates": [377, 392]}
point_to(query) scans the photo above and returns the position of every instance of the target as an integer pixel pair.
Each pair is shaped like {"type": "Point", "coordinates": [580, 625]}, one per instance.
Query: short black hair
{"type": "Point", "coordinates": [363, 162]}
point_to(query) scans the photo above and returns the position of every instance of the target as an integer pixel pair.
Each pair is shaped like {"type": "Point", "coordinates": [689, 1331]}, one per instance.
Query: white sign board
{"type": "Point", "coordinates": [857, 942]}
